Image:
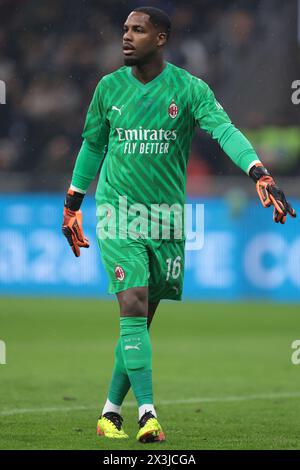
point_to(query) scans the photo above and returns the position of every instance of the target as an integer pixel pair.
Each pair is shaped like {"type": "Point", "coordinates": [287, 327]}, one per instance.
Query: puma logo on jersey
{"type": "Point", "coordinates": [136, 346]}
{"type": "Point", "coordinates": [114, 108]}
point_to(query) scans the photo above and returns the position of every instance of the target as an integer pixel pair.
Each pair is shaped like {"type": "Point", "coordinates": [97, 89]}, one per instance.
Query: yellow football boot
{"type": "Point", "coordinates": [150, 429]}
{"type": "Point", "coordinates": [110, 425]}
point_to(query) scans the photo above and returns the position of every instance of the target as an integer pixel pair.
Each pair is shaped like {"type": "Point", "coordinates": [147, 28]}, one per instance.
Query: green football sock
{"type": "Point", "coordinates": [120, 383]}
{"type": "Point", "coordinates": [137, 355]}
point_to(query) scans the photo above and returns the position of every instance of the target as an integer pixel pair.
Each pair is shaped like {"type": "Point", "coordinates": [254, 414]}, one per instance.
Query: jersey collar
{"type": "Point", "coordinates": [145, 86]}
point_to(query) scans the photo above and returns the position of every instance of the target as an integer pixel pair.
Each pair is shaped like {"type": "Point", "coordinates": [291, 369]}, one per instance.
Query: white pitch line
{"type": "Point", "coordinates": [22, 411]}
{"type": "Point", "coordinates": [66, 409]}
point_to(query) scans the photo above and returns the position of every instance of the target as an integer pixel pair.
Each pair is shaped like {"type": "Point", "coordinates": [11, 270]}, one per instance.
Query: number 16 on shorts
{"type": "Point", "coordinates": [173, 268]}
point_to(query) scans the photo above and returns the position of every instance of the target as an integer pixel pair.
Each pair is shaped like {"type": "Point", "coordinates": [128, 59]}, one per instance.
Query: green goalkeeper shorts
{"type": "Point", "coordinates": [145, 262]}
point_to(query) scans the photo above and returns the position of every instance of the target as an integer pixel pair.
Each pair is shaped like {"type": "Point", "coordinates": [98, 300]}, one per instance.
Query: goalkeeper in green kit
{"type": "Point", "coordinates": [138, 130]}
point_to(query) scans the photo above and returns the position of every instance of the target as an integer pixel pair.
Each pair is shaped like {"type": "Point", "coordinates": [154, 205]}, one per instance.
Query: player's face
{"type": "Point", "coordinates": [141, 40]}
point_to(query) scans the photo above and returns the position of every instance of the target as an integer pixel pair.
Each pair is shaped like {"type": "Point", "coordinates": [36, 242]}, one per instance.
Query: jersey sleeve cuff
{"type": "Point", "coordinates": [77, 190]}
{"type": "Point", "coordinates": [251, 165]}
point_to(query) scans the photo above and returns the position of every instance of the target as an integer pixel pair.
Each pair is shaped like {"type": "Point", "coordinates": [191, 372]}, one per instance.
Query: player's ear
{"type": "Point", "coordinates": [161, 39]}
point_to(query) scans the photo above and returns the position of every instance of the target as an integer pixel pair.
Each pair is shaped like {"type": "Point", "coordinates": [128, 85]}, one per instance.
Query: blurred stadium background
{"type": "Point", "coordinates": [52, 54]}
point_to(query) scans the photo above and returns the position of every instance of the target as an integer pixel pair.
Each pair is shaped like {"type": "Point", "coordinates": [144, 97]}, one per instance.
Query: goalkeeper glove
{"type": "Point", "coordinates": [270, 194]}
{"type": "Point", "coordinates": [72, 222]}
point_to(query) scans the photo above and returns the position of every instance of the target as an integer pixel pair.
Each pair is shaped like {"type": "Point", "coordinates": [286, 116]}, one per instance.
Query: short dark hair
{"type": "Point", "coordinates": [158, 18]}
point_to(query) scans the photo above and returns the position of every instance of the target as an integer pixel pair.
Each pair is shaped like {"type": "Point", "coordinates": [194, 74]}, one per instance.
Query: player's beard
{"type": "Point", "coordinates": [138, 61]}
{"type": "Point", "coordinates": [131, 61]}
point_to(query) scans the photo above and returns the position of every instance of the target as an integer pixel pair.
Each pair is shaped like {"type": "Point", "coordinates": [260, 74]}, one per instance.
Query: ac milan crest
{"type": "Point", "coordinates": [173, 110]}
{"type": "Point", "coordinates": [120, 273]}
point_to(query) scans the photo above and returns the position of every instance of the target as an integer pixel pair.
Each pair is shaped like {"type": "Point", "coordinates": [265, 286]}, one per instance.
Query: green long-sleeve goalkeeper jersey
{"type": "Point", "coordinates": [143, 132]}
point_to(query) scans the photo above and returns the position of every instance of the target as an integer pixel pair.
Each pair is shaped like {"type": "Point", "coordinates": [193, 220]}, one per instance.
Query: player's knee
{"type": "Point", "coordinates": [134, 303]}
{"type": "Point", "coordinates": [133, 307]}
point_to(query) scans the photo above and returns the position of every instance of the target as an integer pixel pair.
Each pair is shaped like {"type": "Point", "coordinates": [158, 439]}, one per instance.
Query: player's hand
{"type": "Point", "coordinates": [72, 230]}
{"type": "Point", "coordinates": [270, 194]}
{"type": "Point", "coordinates": [72, 222]}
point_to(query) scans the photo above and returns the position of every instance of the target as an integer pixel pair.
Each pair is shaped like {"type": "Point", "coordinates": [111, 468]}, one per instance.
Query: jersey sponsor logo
{"type": "Point", "coordinates": [173, 110]}
{"type": "Point", "coordinates": [146, 134]}
{"type": "Point", "coordinates": [146, 141]}
{"type": "Point", "coordinates": [120, 273]}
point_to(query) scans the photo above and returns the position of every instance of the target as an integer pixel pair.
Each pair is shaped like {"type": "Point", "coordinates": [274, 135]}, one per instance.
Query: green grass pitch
{"type": "Point", "coordinates": [223, 376]}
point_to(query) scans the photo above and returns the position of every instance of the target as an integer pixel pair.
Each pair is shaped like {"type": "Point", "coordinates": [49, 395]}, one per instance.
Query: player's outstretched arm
{"type": "Point", "coordinates": [270, 194]}
{"type": "Point", "coordinates": [211, 117]}
{"type": "Point", "coordinates": [72, 222]}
